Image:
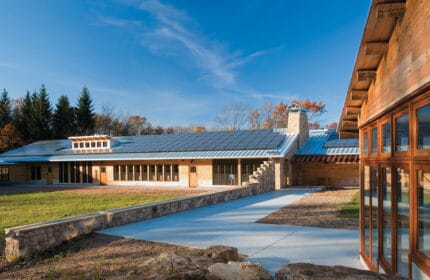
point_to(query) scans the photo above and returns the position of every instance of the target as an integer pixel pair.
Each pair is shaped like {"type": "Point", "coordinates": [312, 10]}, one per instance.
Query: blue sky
{"type": "Point", "coordinates": [180, 62]}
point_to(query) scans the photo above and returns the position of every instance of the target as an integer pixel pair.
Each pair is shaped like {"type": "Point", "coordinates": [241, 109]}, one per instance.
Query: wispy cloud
{"type": "Point", "coordinates": [175, 34]}
{"type": "Point", "coordinates": [9, 65]}
{"type": "Point", "coordinates": [118, 22]}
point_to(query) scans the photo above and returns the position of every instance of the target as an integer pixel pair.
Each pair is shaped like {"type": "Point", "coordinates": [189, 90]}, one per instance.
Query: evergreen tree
{"type": "Point", "coordinates": [85, 113]}
{"type": "Point", "coordinates": [5, 109]}
{"type": "Point", "coordinates": [42, 115]}
{"type": "Point", "coordinates": [63, 119]}
{"type": "Point", "coordinates": [22, 119]}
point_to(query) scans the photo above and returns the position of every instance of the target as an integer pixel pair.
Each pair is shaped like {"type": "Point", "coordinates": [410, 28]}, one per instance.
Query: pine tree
{"type": "Point", "coordinates": [63, 119]}
{"type": "Point", "coordinates": [42, 115]}
{"type": "Point", "coordinates": [23, 120]}
{"type": "Point", "coordinates": [85, 113]}
{"type": "Point", "coordinates": [5, 109]}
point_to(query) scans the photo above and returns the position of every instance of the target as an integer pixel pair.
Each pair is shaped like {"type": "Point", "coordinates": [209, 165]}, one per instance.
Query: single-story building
{"type": "Point", "coordinates": [388, 106]}
{"type": "Point", "coordinates": [207, 159]}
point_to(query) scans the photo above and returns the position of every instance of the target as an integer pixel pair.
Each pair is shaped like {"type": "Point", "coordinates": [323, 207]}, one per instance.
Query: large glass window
{"type": "Point", "coordinates": [123, 173]}
{"type": "Point", "coordinates": [175, 172]}
{"type": "Point", "coordinates": [365, 143]}
{"type": "Point", "coordinates": [84, 173]}
{"type": "Point", "coordinates": [423, 120]}
{"type": "Point", "coordinates": [423, 189]}
{"type": "Point", "coordinates": [248, 166]}
{"type": "Point", "coordinates": [374, 214]}
{"type": "Point", "coordinates": [129, 172]}
{"type": "Point", "coordinates": [116, 172]}
{"type": "Point", "coordinates": [386, 214]}
{"type": "Point", "coordinates": [402, 133]}
{"type": "Point", "coordinates": [167, 175]}
{"type": "Point", "coordinates": [137, 172]}
{"type": "Point", "coordinates": [36, 173]}
{"type": "Point", "coordinates": [159, 173]}
{"type": "Point", "coordinates": [374, 141]}
{"type": "Point", "coordinates": [386, 138]}
{"type": "Point", "coordinates": [152, 176]}
{"type": "Point", "coordinates": [225, 172]}
{"type": "Point", "coordinates": [77, 172]}
{"type": "Point", "coordinates": [144, 172]}
{"type": "Point", "coordinates": [366, 214]}
{"type": "Point", "coordinates": [4, 174]}
{"type": "Point", "coordinates": [402, 220]}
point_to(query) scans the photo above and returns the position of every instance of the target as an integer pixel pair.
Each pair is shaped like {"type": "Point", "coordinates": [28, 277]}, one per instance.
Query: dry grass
{"type": "Point", "coordinates": [319, 209]}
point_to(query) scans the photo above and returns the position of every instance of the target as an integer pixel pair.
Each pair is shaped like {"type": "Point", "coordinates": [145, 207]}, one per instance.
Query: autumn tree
{"type": "Point", "coordinates": [233, 117]}
{"type": "Point", "coordinates": [63, 124]}
{"type": "Point", "coordinates": [254, 119]}
{"type": "Point", "coordinates": [199, 129]}
{"type": "Point", "coordinates": [280, 116]}
{"type": "Point", "coordinates": [332, 125]}
{"type": "Point", "coordinates": [315, 108]}
{"type": "Point", "coordinates": [85, 113]}
{"type": "Point", "coordinates": [136, 124]}
{"type": "Point", "coordinates": [5, 109]}
{"type": "Point", "coordinates": [9, 138]}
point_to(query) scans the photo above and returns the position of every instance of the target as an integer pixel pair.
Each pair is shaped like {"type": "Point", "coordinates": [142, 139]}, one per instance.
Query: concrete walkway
{"type": "Point", "coordinates": [233, 223]}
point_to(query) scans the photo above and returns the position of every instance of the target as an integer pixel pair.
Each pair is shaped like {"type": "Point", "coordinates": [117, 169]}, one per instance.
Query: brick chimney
{"type": "Point", "coordinates": [298, 122]}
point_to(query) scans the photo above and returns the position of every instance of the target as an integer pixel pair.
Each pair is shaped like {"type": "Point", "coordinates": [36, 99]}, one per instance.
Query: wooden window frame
{"type": "Point", "coordinates": [413, 126]}
{"type": "Point", "coordinates": [381, 123]}
{"type": "Point", "coordinates": [401, 154]}
{"type": "Point", "coordinates": [373, 155]}
{"type": "Point", "coordinates": [382, 260]}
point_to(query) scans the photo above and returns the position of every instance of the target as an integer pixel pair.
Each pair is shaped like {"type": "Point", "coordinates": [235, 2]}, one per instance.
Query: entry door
{"type": "Point", "coordinates": [49, 176]}
{"type": "Point", "coordinates": [103, 176]}
{"type": "Point", "coordinates": [193, 177]}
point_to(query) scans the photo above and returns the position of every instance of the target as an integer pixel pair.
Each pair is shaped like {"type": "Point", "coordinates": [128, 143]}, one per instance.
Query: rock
{"type": "Point", "coordinates": [307, 271]}
{"type": "Point", "coordinates": [171, 266]}
{"type": "Point", "coordinates": [222, 254]}
{"type": "Point", "coordinates": [237, 271]}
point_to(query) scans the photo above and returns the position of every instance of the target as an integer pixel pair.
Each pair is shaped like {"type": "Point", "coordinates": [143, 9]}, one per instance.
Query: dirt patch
{"type": "Point", "coordinates": [95, 256]}
{"type": "Point", "coordinates": [100, 190]}
{"type": "Point", "coordinates": [319, 209]}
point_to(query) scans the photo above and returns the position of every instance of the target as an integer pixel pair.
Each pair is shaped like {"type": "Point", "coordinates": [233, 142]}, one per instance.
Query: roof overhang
{"type": "Point", "coordinates": [382, 18]}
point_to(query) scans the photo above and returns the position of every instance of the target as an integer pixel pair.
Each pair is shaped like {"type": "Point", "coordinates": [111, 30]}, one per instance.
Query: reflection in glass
{"type": "Point", "coordinates": [386, 214]}
{"type": "Point", "coordinates": [374, 141]}
{"type": "Point", "coordinates": [423, 120]}
{"type": "Point", "coordinates": [365, 143]}
{"type": "Point", "coordinates": [386, 138]}
{"type": "Point", "coordinates": [366, 213]}
{"type": "Point", "coordinates": [374, 212]}
{"type": "Point", "coordinates": [423, 184]}
{"type": "Point", "coordinates": [402, 191]}
{"type": "Point", "coordinates": [402, 133]}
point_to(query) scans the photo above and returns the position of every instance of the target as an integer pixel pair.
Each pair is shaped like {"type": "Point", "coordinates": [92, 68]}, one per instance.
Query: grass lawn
{"type": "Point", "coordinates": [28, 208]}
{"type": "Point", "coordinates": [351, 209]}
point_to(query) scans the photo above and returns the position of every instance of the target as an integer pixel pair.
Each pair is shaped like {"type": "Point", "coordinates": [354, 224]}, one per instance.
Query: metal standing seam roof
{"type": "Point", "coordinates": [327, 142]}
{"type": "Point", "coordinates": [237, 144]}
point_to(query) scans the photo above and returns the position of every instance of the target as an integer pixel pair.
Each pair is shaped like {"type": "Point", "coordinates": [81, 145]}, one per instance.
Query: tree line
{"type": "Point", "coordinates": [33, 118]}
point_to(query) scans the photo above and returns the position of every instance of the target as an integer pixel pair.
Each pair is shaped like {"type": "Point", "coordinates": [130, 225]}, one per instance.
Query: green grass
{"type": "Point", "coordinates": [351, 209]}
{"type": "Point", "coordinates": [28, 208]}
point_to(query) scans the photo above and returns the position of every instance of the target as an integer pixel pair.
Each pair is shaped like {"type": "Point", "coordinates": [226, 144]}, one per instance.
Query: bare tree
{"type": "Point", "coordinates": [233, 117]}
{"type": "Point", "coordinates": [254, 119]}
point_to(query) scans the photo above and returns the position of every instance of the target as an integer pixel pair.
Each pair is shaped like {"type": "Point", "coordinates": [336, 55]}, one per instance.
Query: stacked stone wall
{"type": "Point", "coordinates": [26, 240]}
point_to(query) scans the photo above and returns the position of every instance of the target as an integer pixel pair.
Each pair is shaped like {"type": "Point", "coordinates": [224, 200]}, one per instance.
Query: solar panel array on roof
{"type": "Point", "coordinates": [206, 141]}
{"type": "Point", "coordinates": [342, 143]}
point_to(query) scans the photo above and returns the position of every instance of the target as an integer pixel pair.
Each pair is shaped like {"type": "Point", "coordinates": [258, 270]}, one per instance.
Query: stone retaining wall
{"type": "Point", "coordinates": [24, 241]}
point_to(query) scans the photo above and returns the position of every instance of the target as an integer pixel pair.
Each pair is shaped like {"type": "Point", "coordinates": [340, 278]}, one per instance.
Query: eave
{"type": "Point", "coordinates": [382, 19]}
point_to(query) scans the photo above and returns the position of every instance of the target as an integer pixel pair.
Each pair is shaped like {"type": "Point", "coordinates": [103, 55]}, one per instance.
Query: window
{"type": "Point", "coordinates": [36, 173]}
{"type": "Point", "coordinates": [123, 172]}
{"type": "Point", "coordinates": [93, 144]}
{"type": "Point", "coordinates": [116, 172]}
{"type": "Point", "coordinates": [90, 172]}
{"type": "Point", "coordinates": [386, 138]}
{"type": "Point", "coordinates": [374, 213]}
{"type": "Point", "coordinates": [77, 173]}
{"type": "Point", "coordinates": [365, 143]}
{"type": "Point", "coordinates": [367, 205]}
{"type": "Point", "coordinates": [81, 145]}
{"type": "Point", "coordinates": [402, 220]}
{"type": "Point", "coordinates": [248, 167]}
{"type": "Point", "coordinates": [4, 174]}
{"type": "Point", "coordinates": [374, 141]}
{"type": "Point", "coordinates": [225, 172]}
{"type": "Point", "coordinates": [423, 127]}
{"type": "Point", "coordinates": [175, 174]}
{"type": "Point", "coordinates": [152, 176]}
{"type": "Point", "coordinates": [159, 173]}
{"type": "Point", "coordinates": [386, 214]}
{"type": "Point", "coordinates": [402, 133]}
{"type": "Point", "coordinates": [423, 189]}
{"type": "Point", "coordinates": [193, 169]}
{"type": "Point", "coordinates": [137, 172]}
{"type": "Point", "coordinates": [144, 172]}
{"type": "Point", "coordinates": [99, 144]}
{"type": "Point", "coordinates": [105, 144]}
{"type": "Point", "coordinates": [84, 173]}
{"type": "Point", "coordinates": [75, 145]}
{"type": "Point", "coordinates": [63, 172]}
{"type": "Point", "coordinates": [167, 175]}
{"type": "Point", "coordinates": [129, 172]}
{"type": "Point", "coordinates": [87, 144]}
{"type": "Point", "coordinates": [72, 172]}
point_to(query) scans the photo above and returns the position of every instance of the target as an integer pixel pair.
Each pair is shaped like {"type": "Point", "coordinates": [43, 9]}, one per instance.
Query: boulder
{"type": "Point", "coordinates": [171, 266]}
{"type": "Point", "coordinates": [305, 271]}
{"type": "Point", "coordinates": [222, 254]}
{"type": "Point", "coordinates": [237, 271]}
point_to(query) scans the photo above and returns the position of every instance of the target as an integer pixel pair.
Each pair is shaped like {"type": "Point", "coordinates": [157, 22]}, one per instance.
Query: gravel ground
{"type": "Point", "coordinates": [319, 209]}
